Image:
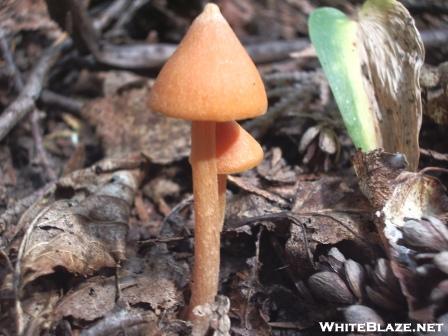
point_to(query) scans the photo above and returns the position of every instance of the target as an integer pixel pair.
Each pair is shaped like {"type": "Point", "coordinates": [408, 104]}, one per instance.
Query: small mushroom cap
{"type": "Point", "coordinates": [236, 149]}
{"type": "Point", "coordinates": [210, 77]}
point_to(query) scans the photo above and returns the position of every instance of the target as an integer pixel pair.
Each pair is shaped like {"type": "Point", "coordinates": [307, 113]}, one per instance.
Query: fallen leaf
{"type": "Point", "coordinates": [125, 124]}
{"type": "Point", "coordinates": [332, 211]}
{"type": "Point", "coordinates": [82, 225]}
{"type": "Point", "coordinates": [154, 281]}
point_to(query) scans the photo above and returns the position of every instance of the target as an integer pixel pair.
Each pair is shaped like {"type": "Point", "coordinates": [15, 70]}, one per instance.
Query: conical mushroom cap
{"type": "Point", "coordinates": [210, 77]}
{"type": "Point", "coordinates": [236, 149]}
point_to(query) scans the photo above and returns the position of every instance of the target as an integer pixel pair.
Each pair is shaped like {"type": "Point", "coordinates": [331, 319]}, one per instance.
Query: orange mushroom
{"type": "Point", "coordinates": [236, 151]}
{"type": "Point", "coordinates": [210, 78]}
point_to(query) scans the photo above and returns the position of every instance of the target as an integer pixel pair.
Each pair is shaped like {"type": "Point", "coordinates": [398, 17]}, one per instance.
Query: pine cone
{"type": "Point", "coordinates": [427, 240]}
{"type": "Point", "coordinates": [362, 291]}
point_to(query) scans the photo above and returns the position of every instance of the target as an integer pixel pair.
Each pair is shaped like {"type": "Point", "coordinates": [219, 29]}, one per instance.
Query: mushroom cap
{"type": "Point", "coordinates": [236, 149]}
{"type": "Point", "coordinates": [210, 76]}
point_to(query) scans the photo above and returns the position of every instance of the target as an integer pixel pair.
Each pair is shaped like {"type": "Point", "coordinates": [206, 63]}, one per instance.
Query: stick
{"type": "Point", "coordinates": [117, 8]}
{"type": "Point", "coordinates": [35, 127]}
{"type": "Point", "coordinates": [69, 104]}
{"type": "Point", "coordinates": [24, 103]}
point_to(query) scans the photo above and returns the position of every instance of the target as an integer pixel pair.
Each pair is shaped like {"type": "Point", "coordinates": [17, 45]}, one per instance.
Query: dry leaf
{"type": "Point", "coordinates": [392, 60]}
{"type": "Point", "coordinates": [125, 125]}
{"type": "Point", "coordinates": [333, 212]}
{"type": "Point", "coordinates": [154, 281]}
{"type": "Point", "coordinates": [81, 226]}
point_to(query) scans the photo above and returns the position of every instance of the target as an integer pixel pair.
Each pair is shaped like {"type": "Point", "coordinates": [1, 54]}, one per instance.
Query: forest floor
{"type": "Point", "coordinates": [96, 222]}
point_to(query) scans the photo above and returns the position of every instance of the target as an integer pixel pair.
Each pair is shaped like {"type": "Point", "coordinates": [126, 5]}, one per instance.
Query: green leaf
{"type": "Point", "coordinates": [373, 67]}
{"type": "Point", "coordinates": [334, 37]}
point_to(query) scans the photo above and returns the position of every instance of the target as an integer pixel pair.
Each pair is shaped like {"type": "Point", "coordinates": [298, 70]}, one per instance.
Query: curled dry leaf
{"type": "Point", "coordinates": [328, 141]}
{"type": "Point", "coordinates": [82, 225]}
{"type": "Point", "coordinates": [125, 125]}
{"type": "Point", "coordinates": [393, 58]}
{"type": "Point", "coordinates": [310, 134]}
{"type": "Point", "coordinates": [275, 169]}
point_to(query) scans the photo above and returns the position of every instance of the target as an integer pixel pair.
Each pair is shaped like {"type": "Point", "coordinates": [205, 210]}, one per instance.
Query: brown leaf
{"type": "Point", "coordinates": [94, 298]}
{"type": "Point", "coordinates": [334, 211]}
{"type": "Point", "coordinates": [393, 53]}
{"type": "Point", "coordinates": [140, 281]}
{"type": "Point", "coordinates": [90, 301]}
{"type": "Point", "coordinates": [334, 208]}
{"type": "Point", "coordinates": [82, 225]}
{"type": "Point", "coordinates": [125, 124]}
{"type": "Point", "coordinates": [274, 168]}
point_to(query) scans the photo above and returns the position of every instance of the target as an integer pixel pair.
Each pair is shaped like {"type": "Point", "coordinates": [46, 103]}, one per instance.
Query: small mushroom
{"type": "Point", "coordinates": [210, 78]}
{"type": "Point", "coordinates": [236, 152]}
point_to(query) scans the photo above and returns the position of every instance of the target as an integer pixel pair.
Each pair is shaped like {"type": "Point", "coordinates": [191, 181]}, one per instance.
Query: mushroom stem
{"type": "Point", "coordinates": [207, 215]}
{"type": "Point", "coordinates": [222, 188]}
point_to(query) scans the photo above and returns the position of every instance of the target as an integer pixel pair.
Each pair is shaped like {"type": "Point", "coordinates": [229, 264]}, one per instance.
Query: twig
{"type": "Point", "coordinates": [434, 6]}
{"type": "Point", "coordinates": [116, 9]}
{"type": "Point", "coordinates": [272, 51]}
{"type": "Point", "coordinates": [11, 66]}
{"type": "Point", "coordinates": [35, 128]}
{"type": "Point", "coordinates": [24, 103]}
{"type": "Point", "coordinates": [144, 56]}
{"type": "Point", "coordinates": [179, 207]}
{"type": "Point", "coordinates": [114, 321]}
{"type": "Point", "coordinates": [66, 103]}
{"type": "Point", "coordinates": [433, 154]}
{"type": "Point", "coordinates": [39, 144]}
{"type": "Point", "coordinates": [128, 15]}
{"type": "Point", "coordinates": [434, 169]}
